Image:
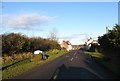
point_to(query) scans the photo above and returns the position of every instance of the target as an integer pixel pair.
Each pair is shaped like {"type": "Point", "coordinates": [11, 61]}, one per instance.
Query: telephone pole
{"type": "Point", "coordinates": [106, 30]}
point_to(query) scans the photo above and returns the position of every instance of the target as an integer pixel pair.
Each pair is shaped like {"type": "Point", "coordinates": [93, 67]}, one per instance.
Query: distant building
{"type": "Point", "coordinates": [89, 42]}
{"type": "Point", "coordinates": [66, 45]}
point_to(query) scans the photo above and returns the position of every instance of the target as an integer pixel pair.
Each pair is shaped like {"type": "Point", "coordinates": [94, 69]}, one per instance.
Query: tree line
{"type": "Point", "coordinates": [16, 43]}
{"type": "Point", "coordinates": [110, 42]}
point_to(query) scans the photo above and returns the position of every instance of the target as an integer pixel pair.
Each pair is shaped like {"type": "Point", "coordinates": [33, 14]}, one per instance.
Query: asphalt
{"type": "Point", "coordinates": [73, 65]}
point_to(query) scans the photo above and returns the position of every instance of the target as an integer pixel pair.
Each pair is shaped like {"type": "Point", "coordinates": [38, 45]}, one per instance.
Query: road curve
{"type": "Point", "coordinates": [73, 65]}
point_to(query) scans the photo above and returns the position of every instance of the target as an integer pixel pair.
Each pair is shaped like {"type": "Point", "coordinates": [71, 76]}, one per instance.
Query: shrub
{"type": "Point", "coordinates": [110, 43]}
{"type": "Point", "coordinates": [16, 43]}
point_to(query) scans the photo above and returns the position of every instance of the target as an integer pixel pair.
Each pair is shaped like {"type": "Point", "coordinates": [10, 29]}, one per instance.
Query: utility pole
{"type": "Point", "coordinates": [106, 30]}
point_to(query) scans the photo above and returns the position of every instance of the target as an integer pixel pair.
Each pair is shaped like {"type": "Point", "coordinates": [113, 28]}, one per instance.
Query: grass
{"type": "Point", "coordinates": [113, 67]}
{"type": "Point", "coordinates": [98, 56]}
{"type": "Point", "coordinates": [26, 65]}
{"type": "Point", "coordinates": [15, 58]}
{"type": "Point", "coordinates": [94, 54]}
{"type": "Point", "coordinates": [16, 62]}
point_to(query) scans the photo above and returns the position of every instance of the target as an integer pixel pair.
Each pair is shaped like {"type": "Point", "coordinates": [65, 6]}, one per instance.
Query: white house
{"type": "Point", "coordinates": [67, 45]}
{"type": "Point", "coordinates": [89, 42]}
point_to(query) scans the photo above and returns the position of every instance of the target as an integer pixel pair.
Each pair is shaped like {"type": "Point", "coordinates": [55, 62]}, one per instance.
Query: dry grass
{"type": "Point", "coordinates": [7, 59]}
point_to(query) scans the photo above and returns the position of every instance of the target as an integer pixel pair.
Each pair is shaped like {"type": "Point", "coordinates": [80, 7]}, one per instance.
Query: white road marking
{"type": "Point", "coordinates": [75, 53]}
{"type": "Point", "coordinates": [67, 56]}
{"type": "Point", "coordinates": [55, 77]}
{"type": "Point", "coordinates": [71, 59]}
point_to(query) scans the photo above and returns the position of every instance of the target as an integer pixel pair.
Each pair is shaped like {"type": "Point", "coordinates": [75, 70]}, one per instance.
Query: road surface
{"type": "Point", "coordinates": [73, 65]}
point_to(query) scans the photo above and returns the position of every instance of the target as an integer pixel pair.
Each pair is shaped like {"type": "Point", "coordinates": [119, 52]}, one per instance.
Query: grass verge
{"type": "Point", "coordinates": [24, 66]}
{"type": "Point", "coordinates": [94, 54]}
{"type": "Point", "coordinates": [98, 56]}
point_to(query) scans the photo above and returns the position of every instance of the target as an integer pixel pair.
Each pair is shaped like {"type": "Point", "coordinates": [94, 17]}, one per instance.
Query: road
{"type": "Point", "coordinates": [73, 65]}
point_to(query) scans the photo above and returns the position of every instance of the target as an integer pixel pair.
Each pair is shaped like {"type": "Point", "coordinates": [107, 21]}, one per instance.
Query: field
{"type": "Point", "coordinates": [17, 67]}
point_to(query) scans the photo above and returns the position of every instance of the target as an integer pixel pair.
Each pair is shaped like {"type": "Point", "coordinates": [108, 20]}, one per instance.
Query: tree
{"type": "Point", "coordinates": [53, 35]}
{"type": "Point", "coordinates": [16, 43]}
{"type": "Point", "coordinates": [110, 42]}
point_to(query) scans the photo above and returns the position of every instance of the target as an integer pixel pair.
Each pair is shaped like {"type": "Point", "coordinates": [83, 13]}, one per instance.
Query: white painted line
{"type": "Point", "coordinates": [55, 77]}
{"type": "Point", "coordinates": [74, 53]}
{"type": "Point", "coordinates": [67, 56]}
{"type": "Point", "coordinates": [71, 59]}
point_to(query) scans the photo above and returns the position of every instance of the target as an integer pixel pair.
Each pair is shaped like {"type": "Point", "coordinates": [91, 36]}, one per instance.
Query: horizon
{"type": "Point", "coordinates": [74, 22]}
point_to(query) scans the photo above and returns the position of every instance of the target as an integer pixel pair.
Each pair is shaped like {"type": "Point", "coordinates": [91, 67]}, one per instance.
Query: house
{"type": "Point", "coordinates": [66, 45]}
{"type": "Point", "coordinates": [89, 42]}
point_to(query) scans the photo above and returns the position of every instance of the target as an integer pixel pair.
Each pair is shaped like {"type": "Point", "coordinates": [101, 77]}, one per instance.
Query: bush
{"type": "Point", "coordinates": [16, 43]}
{"type": "Point", "coordinates": [12, 43]}
{"type": "Point", "coordinates": [106, 59]}
{"type": "Point", "coordinates": [110, 43]}
{"type": "Point", "coordinates": [94, 48]}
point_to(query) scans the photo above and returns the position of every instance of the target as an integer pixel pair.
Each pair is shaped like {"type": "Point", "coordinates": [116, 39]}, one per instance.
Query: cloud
{"type": "Point", "coordinates": [75, 38]}
{"type": "Point", "coordinates": [26, 21]}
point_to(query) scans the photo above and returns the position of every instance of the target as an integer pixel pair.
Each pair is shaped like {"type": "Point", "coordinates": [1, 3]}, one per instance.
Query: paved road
{"type": "Point", "coordinates": [73, 65]}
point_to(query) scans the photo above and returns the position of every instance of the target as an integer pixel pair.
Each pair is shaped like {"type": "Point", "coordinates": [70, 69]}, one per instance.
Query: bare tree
{"type": "Point", "coordinates": [53, 34]}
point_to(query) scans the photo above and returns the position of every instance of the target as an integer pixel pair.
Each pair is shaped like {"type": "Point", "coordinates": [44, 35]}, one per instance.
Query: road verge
{"type": "Point", "coordinates": [98, 58]}
{"type": "Point", "coordinates": [23, 67]}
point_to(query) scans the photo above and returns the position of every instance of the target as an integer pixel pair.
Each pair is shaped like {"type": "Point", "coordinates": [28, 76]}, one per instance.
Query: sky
{"type": "Point", "coordinates": [72, 21]}
{"type": "Point", "coordinates": [60, 0]}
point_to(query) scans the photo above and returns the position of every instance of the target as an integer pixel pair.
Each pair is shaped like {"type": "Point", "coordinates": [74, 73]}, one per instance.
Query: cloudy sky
{"type": "Point", "coordinates": [73, 21]}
